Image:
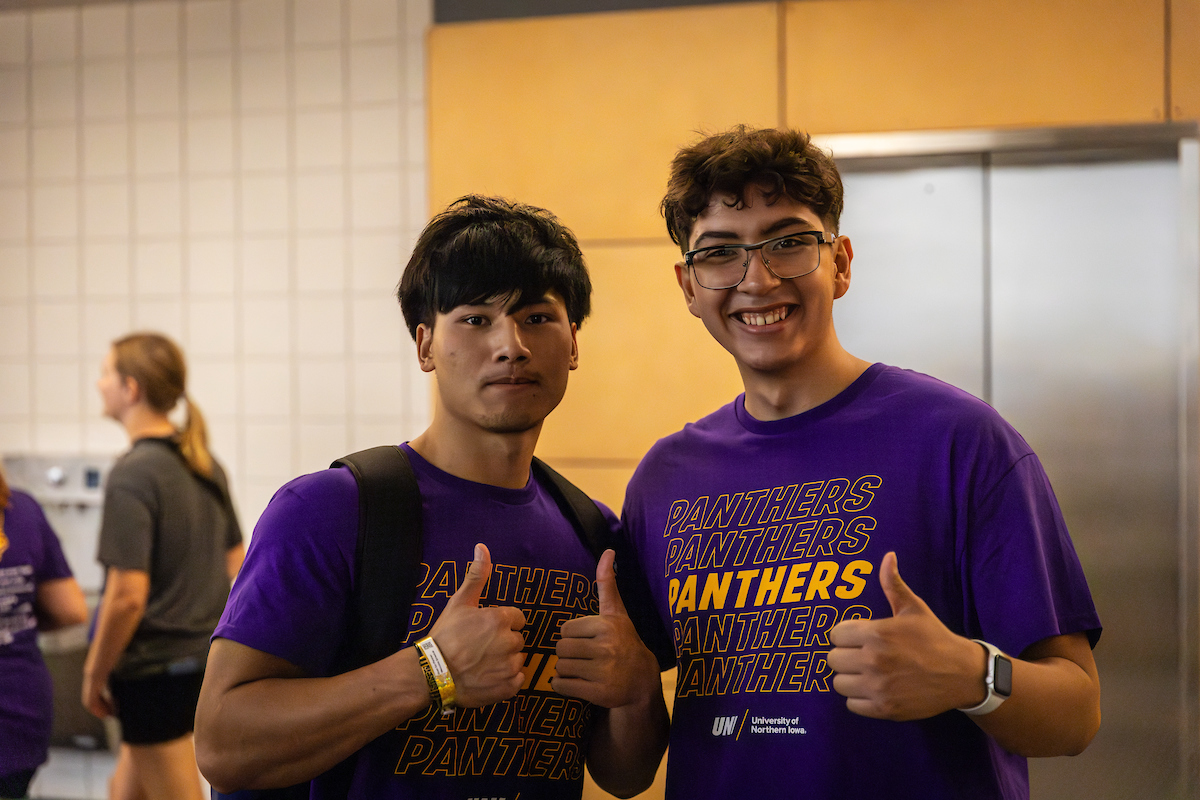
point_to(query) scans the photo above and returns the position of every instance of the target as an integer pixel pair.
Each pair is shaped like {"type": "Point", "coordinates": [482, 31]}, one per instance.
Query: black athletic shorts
{"type": "Point", "coordinates": [16, 784]}
{"type": "Point", "coordinates": [157, 709]}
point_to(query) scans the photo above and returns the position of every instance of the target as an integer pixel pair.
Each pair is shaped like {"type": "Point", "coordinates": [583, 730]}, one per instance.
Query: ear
{"type": "Point", "coordinates": [843, 254]}
{"type": "Point", "coordinates": [574, 347]}
{"type": "Point", "coordinates": [131, 389]}
{"type": "Point", "coordinates": [425, 347]}
{"type": "Point", "coordinates": [684, 276]}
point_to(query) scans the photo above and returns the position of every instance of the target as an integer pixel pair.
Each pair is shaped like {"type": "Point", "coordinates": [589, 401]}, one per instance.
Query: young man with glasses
{"type": "Point", "coordinates": [774, 531]}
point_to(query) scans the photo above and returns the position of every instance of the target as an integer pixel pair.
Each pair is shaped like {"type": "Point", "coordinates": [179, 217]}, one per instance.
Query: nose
{"type": "Point", "coordinates": [759, 279]}
{"type": "Point", "coordinates": [509, 342]}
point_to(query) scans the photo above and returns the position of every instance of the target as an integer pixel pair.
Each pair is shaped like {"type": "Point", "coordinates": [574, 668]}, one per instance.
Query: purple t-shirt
{"type": "Point", "coordinates": [29, 554]}
{"type": "Point", "coordinates": [757, 537]}
{"type": "Point", "coordinates": [290, 600]}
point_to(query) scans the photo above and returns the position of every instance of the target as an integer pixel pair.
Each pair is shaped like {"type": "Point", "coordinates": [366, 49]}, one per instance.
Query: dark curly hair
{"type": "Point", "coordinates": [483, 248]}
{"type": "Point", "coordinates": [780, 162]}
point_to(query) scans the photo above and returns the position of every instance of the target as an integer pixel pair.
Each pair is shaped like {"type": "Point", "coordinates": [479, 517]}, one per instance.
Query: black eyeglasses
{"type": "Point", "coordinates": [723, 266]}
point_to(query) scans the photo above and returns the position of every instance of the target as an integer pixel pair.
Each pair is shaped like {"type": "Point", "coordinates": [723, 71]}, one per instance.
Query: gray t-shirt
{"type": "Point", "coordinates": [163, 519]}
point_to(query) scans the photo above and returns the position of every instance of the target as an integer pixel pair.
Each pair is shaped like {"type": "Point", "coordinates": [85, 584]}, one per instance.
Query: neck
{"type": "Point", "coordinates": [802, 387]}
{"type": "Point", "coordinates": [497, 459]}
{"type": "Point", "coordinates": [142, 422]}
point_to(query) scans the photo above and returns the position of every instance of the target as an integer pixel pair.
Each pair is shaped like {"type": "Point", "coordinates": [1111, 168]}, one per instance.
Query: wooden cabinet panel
{"type": "Point", "coordinates": [879, 65]}
{"type": "Point", "coordinates": [646, 365]}
{"type": "Point", "coordinates": [582, 114]}
{"type": "Point", "coordinates": [1185, 59]}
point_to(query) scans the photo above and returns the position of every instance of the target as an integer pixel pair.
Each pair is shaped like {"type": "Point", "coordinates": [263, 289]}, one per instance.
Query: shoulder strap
{"type": "Point", "coordinates": [589, 523]}
{"type": "Point", "coordinates": [388, 554]}
{"type": "Point", "coordinates": [598, 536]}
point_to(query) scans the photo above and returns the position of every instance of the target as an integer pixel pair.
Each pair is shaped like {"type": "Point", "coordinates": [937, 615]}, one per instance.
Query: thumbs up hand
{"type": "Point", "coordinates": [601, 658]}
{"type": "Point", "coordinates": [482, 646]}
{"type": "Point", "coordinates": [909, 666]}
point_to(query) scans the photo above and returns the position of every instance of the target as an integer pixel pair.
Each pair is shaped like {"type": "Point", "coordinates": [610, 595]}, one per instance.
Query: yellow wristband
{"type": "Point", "coordinates": [430, 680]}
{"type": "Point", "coordinates": [437, 674]}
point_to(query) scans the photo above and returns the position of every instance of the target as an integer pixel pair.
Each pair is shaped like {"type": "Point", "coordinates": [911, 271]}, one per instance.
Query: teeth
{"type": "Point", "coordinates": [770, 317]}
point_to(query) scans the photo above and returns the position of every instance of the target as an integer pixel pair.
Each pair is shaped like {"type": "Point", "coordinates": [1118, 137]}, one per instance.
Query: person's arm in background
{"type": "Point", "coordinates": [59, 603]}
{"type": "Point", "coordinates": [234, 557]}
{"type": "Point", "coordinates": [121, 609]}
{"type": "Point", "coordinates": [601, 659]}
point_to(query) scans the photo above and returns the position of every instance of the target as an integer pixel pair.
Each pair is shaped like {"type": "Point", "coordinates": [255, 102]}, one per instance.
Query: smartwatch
{"type": "Point", "coordinates": [997, 679]}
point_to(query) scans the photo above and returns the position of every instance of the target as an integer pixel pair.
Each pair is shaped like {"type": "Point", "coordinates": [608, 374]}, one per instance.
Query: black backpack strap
{"type": "Point", "coordinates": [598, 536]}
{"type": "Point", "coordinates": [387, 563]}
{"type": "Point", "coordinates": [589, 523]}
{"type": "Point", "coordinates": [388, 554]}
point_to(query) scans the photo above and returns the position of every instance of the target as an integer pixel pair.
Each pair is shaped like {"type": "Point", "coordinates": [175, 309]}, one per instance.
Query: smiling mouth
{"type": "Point", "coordinates": [761, 318]}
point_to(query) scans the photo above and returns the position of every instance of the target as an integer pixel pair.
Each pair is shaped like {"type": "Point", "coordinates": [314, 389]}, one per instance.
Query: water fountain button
{"type": "Point", "coordinates": [56, 476]}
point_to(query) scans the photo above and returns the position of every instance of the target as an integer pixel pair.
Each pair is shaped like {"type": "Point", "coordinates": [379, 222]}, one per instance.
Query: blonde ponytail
{"type": "Point", "coordinates": [193, 441]}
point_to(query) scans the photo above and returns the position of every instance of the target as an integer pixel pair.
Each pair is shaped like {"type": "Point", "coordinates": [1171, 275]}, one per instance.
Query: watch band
{"type": "Point", "coordinates": [997, 680]}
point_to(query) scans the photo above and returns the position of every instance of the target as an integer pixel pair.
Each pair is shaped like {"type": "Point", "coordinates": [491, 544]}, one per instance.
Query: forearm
{"type": "Point", "coordinates": [628, 743]}
{"type": "Point", "coordinates": [277, 731]}
{"type": "Point", "coordinates": [60, 602]}
{"type": "Point", "coordinates": [1055, 706]}
{"type": "Point", "coordinates": [121, 612]}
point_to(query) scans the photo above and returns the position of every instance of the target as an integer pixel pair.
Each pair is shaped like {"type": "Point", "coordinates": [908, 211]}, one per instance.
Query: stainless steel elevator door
{"type": "Point", "coordinates": [1085, 353]}
{"type": "Point", "coordinates": [1051, 290]}
{"type": "Point", "coordinates": [916, 286]}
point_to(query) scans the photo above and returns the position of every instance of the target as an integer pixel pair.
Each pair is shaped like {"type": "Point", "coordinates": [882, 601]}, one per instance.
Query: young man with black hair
{"type": "Point", "coordinates": [545, 671]}
{"type": "Point", "coordinates": [774, 531]}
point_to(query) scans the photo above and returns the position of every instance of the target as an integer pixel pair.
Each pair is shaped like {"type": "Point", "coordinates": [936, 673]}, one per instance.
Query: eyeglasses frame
{"type": "Point", "coordinates": [822, 238]}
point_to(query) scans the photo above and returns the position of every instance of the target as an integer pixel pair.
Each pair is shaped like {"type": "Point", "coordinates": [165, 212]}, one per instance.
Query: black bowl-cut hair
{"type": "Point", "coordinates": [484, 248]}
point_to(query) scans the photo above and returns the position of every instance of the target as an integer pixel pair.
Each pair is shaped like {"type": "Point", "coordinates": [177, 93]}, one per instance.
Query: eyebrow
{"type": "Point", "coordinates": [769, 231]}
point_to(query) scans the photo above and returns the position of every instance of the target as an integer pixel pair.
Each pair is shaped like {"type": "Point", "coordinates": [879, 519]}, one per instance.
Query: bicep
{"type": "Point", "coordinates": [232, 664]}
{"type": "Point", "coordinates": [1072, 647]}
{"type": "Point", "coordinates": [130, 586]}
{"type": "Point", "coordinates": [60, 603]}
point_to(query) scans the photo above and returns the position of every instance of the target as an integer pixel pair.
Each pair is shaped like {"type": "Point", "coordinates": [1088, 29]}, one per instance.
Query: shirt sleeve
{"type": "Point", "coordinates": [291, 597]}
{"type": "Point", "coordinates": [127, 525]}
{"type": "Point", "coordinates": [1024, 577]}
{"type": "Point", "coordinates": [233, 532]}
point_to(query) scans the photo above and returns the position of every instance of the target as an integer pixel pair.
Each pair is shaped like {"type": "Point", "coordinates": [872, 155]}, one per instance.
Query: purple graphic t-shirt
{"type": "Point", "coordinates": [758, 537]}
{"type": "Point", "coordinates": [290, 600]}
{"type": "Point", "coordinates": [29, 554]}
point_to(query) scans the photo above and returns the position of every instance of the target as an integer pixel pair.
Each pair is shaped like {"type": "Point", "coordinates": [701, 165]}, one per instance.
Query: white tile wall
{"type": "Point", "coordinates": [246, 176]}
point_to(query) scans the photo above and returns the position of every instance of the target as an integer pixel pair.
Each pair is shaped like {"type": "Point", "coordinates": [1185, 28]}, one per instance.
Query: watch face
{"type": "Point", "coordinates": [1002, 680]}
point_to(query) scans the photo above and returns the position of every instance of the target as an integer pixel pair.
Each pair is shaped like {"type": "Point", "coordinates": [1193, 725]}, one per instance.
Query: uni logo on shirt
{"type": "Point", "coordinates": [725, 726]}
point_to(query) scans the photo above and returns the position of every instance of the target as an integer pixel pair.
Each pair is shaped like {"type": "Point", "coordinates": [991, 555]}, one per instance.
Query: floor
{"type": "Point", "coordinates": [72, 774]}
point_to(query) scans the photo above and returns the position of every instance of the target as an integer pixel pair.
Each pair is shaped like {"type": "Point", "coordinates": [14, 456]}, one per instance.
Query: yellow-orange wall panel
{"type": "Point", "coordinates": [582, 114]}
{"type": "Point", "coordinates": [647, 366]}
{"type": "Point", "coordinates": [1185, 59]}
{"type": "Point", "coordinates": [879, 65]}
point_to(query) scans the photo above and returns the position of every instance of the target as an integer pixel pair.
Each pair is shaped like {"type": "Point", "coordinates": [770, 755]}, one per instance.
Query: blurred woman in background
{"type": "Point", "coordinates": [37, 592]}
{"type": "Point", "coordinates": [170, 544]}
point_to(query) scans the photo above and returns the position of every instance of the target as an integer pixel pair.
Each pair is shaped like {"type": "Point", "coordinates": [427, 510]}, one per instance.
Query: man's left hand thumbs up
{"type": "Point", "coordinates": [601, 659]}
{"type": "Point", "coordinates": [908, 666]}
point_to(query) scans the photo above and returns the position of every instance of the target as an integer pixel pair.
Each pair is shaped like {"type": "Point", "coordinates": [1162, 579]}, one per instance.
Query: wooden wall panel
{"type": "Point", "coordinates": [880, 65]}
{"type": "Point", "coordinates": [1185, 59]}
{"type": "Point", "coordinates": [647, 366]}
{"type": "Point", "coordinates": [582, 114]}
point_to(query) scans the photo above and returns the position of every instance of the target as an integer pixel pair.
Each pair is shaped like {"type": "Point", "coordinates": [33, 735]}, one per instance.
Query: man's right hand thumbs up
{"type": "Point", "coordinates": [482, 646]}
